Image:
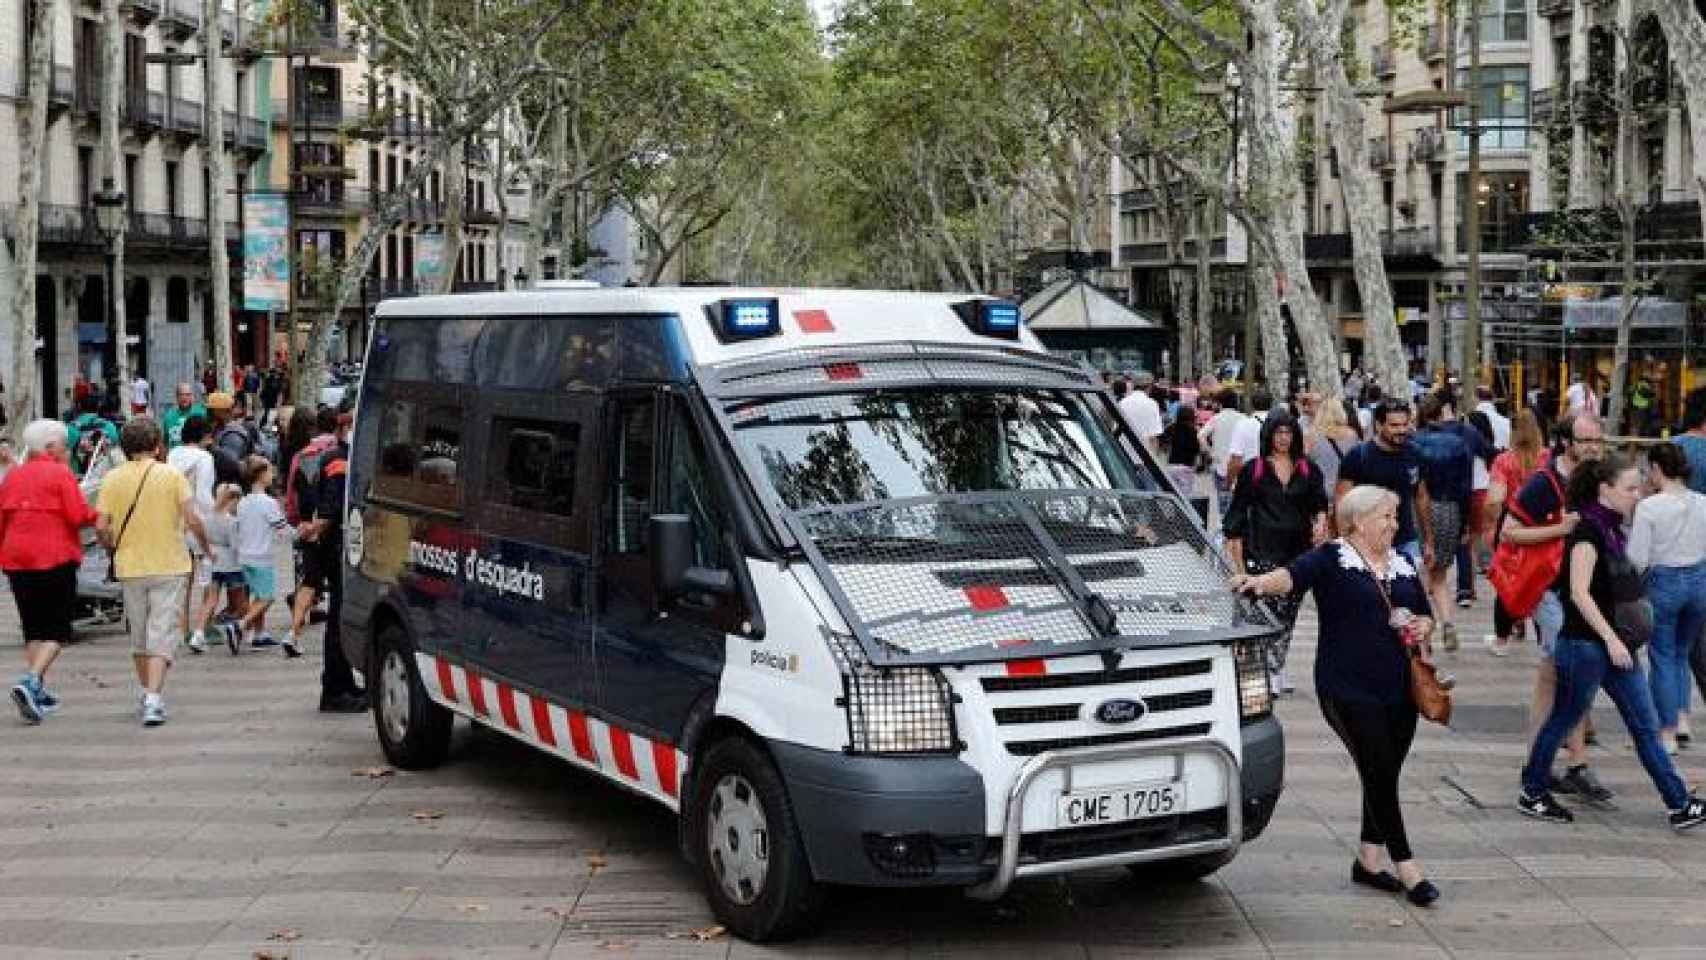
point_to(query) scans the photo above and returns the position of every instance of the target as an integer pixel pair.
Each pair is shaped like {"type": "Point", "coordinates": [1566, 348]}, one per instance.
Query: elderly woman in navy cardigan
{"type": "Point", "coordinates": [1365, 591]}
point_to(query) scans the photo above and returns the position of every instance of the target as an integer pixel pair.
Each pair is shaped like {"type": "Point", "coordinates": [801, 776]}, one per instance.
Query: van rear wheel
{"type": "Point", "coordinates": [414, 732]}
{"type": "Point", "coordinates": [750, 854]}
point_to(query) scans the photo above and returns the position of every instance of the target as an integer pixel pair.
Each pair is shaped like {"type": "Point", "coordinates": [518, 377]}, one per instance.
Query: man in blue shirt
{"type": "Point", "coordinates": [1693, 442]}
{"type": "Point", "coordinates": [1390, 461]}
{"type": "Point", "coordinates": [1448, 473]}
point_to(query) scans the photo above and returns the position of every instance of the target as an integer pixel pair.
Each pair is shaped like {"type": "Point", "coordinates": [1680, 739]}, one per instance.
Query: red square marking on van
{"type": "Point", "coordinates": [623, 749]}
{"type": "Point", "coordinates": [1026, 668]}
{"type": "Point", "coordinates": [813, 321]}
{"type": "Point", "coordinates": [986, 597]}
{"type": "Point", "coordinates": [844, 371]}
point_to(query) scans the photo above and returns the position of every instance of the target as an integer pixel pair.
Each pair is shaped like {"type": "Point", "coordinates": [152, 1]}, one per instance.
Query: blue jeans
{"type": "Point", "coordinates": [1548, 620]}
{"type": "Point", "coordinates": [1583, 668]}
{"type": "Point", "coordinates": [1679, 613]}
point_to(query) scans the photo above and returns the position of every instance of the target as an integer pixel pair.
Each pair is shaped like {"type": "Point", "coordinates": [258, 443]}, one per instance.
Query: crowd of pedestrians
{"type": "Point", "coordinates": [1373, 501]}
{"type": "Point", "coordinates": [193, 509]}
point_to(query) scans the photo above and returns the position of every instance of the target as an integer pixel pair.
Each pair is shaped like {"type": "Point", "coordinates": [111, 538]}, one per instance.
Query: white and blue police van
{"type": "Point", "coordinates": [868, 588]}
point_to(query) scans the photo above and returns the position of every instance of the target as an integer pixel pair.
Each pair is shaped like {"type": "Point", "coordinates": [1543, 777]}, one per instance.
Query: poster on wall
{"type": "Point", "coordinates": [429, 261]}
{"type": "Point", "coordinates": [266, 254]}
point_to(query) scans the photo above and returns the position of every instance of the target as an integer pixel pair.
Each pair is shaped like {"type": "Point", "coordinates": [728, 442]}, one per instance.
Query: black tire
{"type": "Point", "coordinates": [413, 731]}
{"type": "Point", "coordinates": [1181, 871]}
{"type": "Point", "coordinates": [785, 901]}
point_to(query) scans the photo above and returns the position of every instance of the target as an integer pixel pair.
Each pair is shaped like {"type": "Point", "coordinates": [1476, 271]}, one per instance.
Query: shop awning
{"type": "Point", "coordinates": [1072, 304]}
{"type": "Point", "coordinates": [1604, 314]}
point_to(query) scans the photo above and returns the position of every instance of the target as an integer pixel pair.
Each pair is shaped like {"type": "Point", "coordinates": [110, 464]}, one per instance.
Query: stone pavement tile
{"type": "Point", "coordinates": [404, 863]}
{"type": "Point", "coordinates": [301, 948]}
{"type": "Point", "coordinates": [641, 914]}
{"type": "Point", "coordinates": [141, 910]}
{"type": "Point", "coordinates": [814, 948]}
{"type": "Point", "coordinates": [1220, 933]}
{"type": "Point", "coordinates": [299, 938]}
{"type": "Point", "coordinates": [1585, 865]}
{"type": "Point", "coordinates": [995, 950]}
{"type": "Point", "coordinates": [342, 903]}
{"type": "Point", "coordinates": [121, 938]}
{"type": "Point", "coordinates": [235, 867]}
{"type": "Point", "coordinates": [680, 948]}
{"type": "Point", "coordinates": [411, 938]}
{"type": "Point", "coordinates": [1254, 950]}
{"type": "Point", "coordinates": [1536, 940]}
{"type": "Point", "coordinates": [40, 907]}
{"type": "Point", "coordinates": [488, 908]}
{"type": "Point", "coordinates": [1682, 906]}
{"type": "Point", "coordinates": [549, 863]}
{"type": "Point", "coordinates": [1653, 932]}
{"type": "Point", "coordinates": [1395, 948]}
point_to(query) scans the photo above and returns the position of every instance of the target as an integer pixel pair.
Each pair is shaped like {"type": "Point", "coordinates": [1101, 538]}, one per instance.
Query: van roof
{"type": "Point", "coordinates": [842, 318]}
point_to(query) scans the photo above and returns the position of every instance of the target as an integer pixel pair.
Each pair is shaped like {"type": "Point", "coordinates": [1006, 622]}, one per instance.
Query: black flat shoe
{"type": "Point", "coordinates": [1422, 894]}
{"type": "Point", "coordinates": [1379, 880]}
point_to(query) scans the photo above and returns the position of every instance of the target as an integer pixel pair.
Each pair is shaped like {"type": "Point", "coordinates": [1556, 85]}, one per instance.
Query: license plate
{"type": "Point", "coordinates": [1138, 801]}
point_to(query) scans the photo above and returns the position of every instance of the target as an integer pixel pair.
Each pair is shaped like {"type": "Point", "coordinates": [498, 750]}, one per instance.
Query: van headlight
{"type": "Point", "coordinates": [894, 709]}
{"type": "Point", "coordinates": [1255, 697]}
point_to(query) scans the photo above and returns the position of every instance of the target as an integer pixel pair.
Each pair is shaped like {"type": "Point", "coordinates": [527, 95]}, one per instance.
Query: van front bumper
{"type": "Point", "coordinates": [1263, 773]}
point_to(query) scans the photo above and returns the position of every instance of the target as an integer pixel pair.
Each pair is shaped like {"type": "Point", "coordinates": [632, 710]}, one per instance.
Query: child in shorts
{"type": "Point", "coordinates": [261, 527]}
{"type": "Point", "coordinates": [226, 573]}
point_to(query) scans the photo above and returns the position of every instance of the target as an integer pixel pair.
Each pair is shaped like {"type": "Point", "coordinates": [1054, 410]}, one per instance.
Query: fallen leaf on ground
{"type": "Point", "coordinates": [473, 908]}
{"type": "Point", "coordinates": [597, 861]}
{"type": "Point", "coordinates": [285, 935]}
{"type": "Point", "coordinates": [372, 773]}
{"type": "Point", "coordinates": [269, 955]}
{"type": "Point", "coordinates": [429, 814]}
{"type": "Point", "coordinates": [704, 933]}
{"type": "Point", "coordinates": [561, 913]}
{"type": "Point", "coordinates": [409, 890]}
{"type": "Point", "coordinates": [1395, 922]}
{"type": "Point", "coordinates": [614, 945]}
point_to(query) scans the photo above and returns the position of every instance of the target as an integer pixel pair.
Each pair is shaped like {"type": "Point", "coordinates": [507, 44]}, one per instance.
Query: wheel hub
{"type": "Point", "coordinates": [394, 697]}
{"type": "Point", "coordinates": [738, 836]}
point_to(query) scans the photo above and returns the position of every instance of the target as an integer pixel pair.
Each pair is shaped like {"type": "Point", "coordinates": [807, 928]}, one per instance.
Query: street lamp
{"type": "Point", "coordinates": [109, 219]}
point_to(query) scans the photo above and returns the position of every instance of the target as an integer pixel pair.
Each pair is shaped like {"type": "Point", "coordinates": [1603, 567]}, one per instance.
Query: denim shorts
{"type": "Point", "coordinates": [259, 581]}
{"type": "Point", "coordinates": [228, 578]}
{"type": "Point", "coordinates": [1548, 621]}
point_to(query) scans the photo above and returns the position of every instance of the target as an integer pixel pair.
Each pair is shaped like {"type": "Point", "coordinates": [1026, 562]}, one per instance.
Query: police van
{"type": "Point", "coordinates": [868, 588]}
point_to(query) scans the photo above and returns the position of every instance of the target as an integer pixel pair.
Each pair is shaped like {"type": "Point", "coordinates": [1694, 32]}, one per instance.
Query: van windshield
{"type": "Point", "coordinates": [861, 447]}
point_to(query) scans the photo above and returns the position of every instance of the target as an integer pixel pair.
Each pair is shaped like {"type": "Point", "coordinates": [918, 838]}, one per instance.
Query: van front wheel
{"type": "Point", "coordinates": [748, 846]}
{"type": "Point", "coordinates": [414, 732]}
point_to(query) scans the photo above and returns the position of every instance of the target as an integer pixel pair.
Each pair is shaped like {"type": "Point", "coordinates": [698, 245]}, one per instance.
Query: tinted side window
{"type": "Point", "coordinates": [533, 464]}
{"type": "Point", "coordinates": [631, 458]}
{"type": "Point", "coordinates": [420, 451]}
{"type": "Point", "coordinates": [692, 490]}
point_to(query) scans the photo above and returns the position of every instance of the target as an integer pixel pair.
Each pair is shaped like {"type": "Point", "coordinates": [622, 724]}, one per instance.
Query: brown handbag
{"type": "Point", "coordinates": [1431, 697]}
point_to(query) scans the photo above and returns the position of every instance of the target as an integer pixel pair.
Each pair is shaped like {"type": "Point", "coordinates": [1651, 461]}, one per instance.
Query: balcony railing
{"type": "Point", "coordinates": [62, 88]}
{"type": "Point", "coordinates": [1409, 242]}
{"type": "Point", "coordinates": [164, 229]}
{"type": "Point", "coordinates": [1327, 246]}
{"type": "Point", "coordinates": [183, 116]}
{"type": "Point", "coordinates": [88, 93]}
{"type": "Point", "coordinates": [474, 216]}
{"type": "Point", "coordinates": [319, 33]}
{"type": "Point", "coordinates": [330, 197]}
{"type": "Point", "coordinates": [181, 17]}
{"type": "Point", "coordinates": [65, 224]}
{"type": "Point", "coordinates": [1433, 43]}
{"type": "Point", "coordinates": [318, 112]}
{"type": "Point", "coordinates": [382, 288]}
{"type": "Point", "coordinates": [254, 136]}
{"type": "Point", "coordinates": [1674, 222]}
{"type": "Point", "coordinates": [1383, 61]}
{"type": "Point", "coordinates": [144, 12]}
{"type": "Point", "coordinates": [228, 127]}
{"type": "Point", "coordinates": [1543, 107]}
{"type": "Point", "coordinates": [145, 109]}
{"type": "Point", "coordinates": [1379, 153]}
{"type": "Point", "coordinates": [1554, 8]}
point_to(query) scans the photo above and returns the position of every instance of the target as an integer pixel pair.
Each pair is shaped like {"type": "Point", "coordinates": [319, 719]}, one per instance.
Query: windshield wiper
{"type": "Point", "coordinates": [1052, 457]}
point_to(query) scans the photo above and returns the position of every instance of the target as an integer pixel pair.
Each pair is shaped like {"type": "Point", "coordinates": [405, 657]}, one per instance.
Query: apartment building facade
{"type": "Point", "coordinates": [166, 286]}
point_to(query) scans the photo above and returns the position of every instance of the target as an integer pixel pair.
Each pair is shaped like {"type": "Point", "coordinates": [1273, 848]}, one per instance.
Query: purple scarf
{"type": "Point", "coordinates": [1608, 522]}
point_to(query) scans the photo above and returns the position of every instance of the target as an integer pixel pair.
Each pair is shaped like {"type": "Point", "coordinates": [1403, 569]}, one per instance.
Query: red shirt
{"type": "Point", "coordinates": [41, 510]}
{"type": "Point", "coordinates": [1506, 470]}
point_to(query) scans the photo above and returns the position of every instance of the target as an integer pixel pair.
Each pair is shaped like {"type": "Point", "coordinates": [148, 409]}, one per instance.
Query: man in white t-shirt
{"type": "Point", "coordinates": [194, 460]}
{"type": "Point", "coordinates": [140, 396]}
{"type": "Point", "coordinates": [1141, 412]}
{"type": "Point", "coordinates": [1501, 423]}
{"type": "Point", "coordinates": [1247, 439]}
{"type": "Point", "coordinates": [1581, 397]}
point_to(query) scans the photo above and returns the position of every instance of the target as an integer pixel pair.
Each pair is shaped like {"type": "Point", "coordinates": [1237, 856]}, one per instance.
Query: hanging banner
{"type": "Point", "coordinates": [266, 254]}
{"type": "Point", "coordinates": [429, 261]}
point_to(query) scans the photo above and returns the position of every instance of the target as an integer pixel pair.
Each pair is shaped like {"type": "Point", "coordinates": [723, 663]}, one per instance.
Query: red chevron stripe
{"type": "Point", "coordinates": [506, 706]}
{"type": "Point", "coordinates": [663, 758]}
{"type": "Point", "coordinates": [542, 721]}
{"type": "Point", "coordinates": [623, 748]}
{"type": "Point", "coordinates": [582, 737]}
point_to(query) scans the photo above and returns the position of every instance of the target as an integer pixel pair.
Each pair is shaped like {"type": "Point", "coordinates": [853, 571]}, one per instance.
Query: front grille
{"type": "Point", "coordinates": [1080, 842]}
{"type": "Point", "coordinates": [1067, 712]}
{"type": "Point", "coordinates": [1061, 681]}
{"type": "Point", "coordinates": [1030, 748]}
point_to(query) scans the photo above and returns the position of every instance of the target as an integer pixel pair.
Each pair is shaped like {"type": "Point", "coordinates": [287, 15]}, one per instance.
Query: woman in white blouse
{"type": "Point", "coordinates": [1668, 540]}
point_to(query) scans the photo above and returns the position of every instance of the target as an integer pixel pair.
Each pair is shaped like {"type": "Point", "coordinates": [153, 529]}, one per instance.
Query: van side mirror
{"type": "Point", "coordinates": [673, 572]}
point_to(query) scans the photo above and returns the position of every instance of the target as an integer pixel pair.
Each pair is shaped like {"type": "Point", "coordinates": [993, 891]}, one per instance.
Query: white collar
{"type": "Point", "coordinates": [1397, 565]}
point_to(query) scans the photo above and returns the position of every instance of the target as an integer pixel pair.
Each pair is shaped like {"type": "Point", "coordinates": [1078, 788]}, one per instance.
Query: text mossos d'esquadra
{"type": "Point", "coordinates": [520, 581]}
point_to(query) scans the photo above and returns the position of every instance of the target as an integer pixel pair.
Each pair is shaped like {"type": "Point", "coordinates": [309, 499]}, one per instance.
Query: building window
{"type": "Point", "coordinates": [1502, 21]}
{"type": "Point", "coordinates": [1504, 108]}
{"type": "Point", "coordinates": [316, 252]}
{"type": "Point", "coordinates": [172, 188]}
{"type": "Point", "coordinates": [1503, 200]}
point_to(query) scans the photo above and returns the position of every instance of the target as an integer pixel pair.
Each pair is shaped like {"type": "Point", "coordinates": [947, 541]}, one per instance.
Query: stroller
{"type": "Point", "coordinates": [100, 601]}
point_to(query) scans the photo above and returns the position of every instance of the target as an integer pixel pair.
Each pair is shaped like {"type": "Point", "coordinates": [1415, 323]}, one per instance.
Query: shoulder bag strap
{"type": "Point", "coordinates": [125, 525]}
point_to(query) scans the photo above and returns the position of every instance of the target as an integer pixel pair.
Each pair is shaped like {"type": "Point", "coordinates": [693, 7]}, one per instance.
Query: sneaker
{"type": "Point", "coordinates": [24, 695]}
{"type": "Point", "coordinates": [263, 641]}
{"type": "Point", "coordinates": [292, 646]}
{"type": "Point", "coordinates": [1497, 646]}
{"type": "Point", "coordinates": [1543, 807]}
{"type": "Point", "coordinates": [1448, 637]}
{"type": "Point", "coordinates": [46, 700]}
{"type": "Point", "coordinates": [1465, 599]}
{"type": "Point", "coordinates": [197, 642]}
{"type": "Point", "coordinates": [1586, 785]}
{"type": "Point", "coordinates": [232, 635]}
{"type": "Point", "coordinates": [1692, 814]}
{"type": "Point", "coordinates": [153, 712]}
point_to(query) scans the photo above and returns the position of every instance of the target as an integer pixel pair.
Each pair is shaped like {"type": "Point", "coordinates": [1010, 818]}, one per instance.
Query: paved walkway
{"type": "Point", "coordinates": [251, 826]}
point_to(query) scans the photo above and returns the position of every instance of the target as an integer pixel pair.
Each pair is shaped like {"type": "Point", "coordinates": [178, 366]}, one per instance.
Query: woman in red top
{"type": "Point", "coordinates": [41, 510]}
{"type": "Point", "coordinates": [1509, 472]}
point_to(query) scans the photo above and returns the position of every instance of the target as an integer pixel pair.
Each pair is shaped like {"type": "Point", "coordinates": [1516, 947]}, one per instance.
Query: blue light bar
{"type": "Point", "coordinates": [991, 318]}
{"type": "Point", "coordinates": [746, 319]}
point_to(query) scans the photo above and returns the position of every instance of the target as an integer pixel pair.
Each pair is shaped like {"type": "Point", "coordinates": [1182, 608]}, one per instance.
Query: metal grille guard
{"type": "Point", "coordinates": [1008, 867]}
